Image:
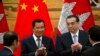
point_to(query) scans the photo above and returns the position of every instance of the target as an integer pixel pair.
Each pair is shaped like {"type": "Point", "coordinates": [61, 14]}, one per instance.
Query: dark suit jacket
{"type": "Point", "coordinates": [64, 42]}
{"type": "Point", "coordinates": [29, 46]}
{"type": "Point", "coordinates": [93, 51]}
{"type": "Point", "coordinates": [5, 52]}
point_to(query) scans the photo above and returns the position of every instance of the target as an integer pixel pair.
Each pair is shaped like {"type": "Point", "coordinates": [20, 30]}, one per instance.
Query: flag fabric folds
{"type": "Point", "coordinates": [3, 24]}
{"type": "Point", "coordinates": [28, 10]}
{"type": "Point", "coordinates": [81, 8]}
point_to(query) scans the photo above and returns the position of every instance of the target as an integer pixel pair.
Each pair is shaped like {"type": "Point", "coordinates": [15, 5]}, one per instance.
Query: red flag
{"type": "Point", "coordinates": [3, 24]}
{"type": "Point", "coordinates": [81, 8]}
{"type": "Point", "coordinates": [27, 12]}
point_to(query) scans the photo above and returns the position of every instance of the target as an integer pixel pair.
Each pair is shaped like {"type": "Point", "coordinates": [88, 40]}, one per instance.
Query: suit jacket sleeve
{"type": "Point", "coordinates": [86, 44]}
{"type": "Point", "coordinates": [61, 50]}
{"type": "Point", "coordinates": [25, 49]}
{"type": "Point", "coordinates": [84, 47]}
{"type": "Point", "coordinates": [50, 47]}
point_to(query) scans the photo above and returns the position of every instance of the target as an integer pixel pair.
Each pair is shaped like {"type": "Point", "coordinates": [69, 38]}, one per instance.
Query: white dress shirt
{"type": "Point", "coordinates": [96, 43]}
{"type": "Point", "coordinates": [77, 33]}
{"type": "Point", "coordinates": [35, 38]}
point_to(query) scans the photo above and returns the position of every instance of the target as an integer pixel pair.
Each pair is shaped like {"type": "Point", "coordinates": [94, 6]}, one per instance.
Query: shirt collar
{"type": "Point", "coordinates": [35, 38]}
{"type": "Point", "coordinates": [9, 48]}
{"type": "Point", "coordinates": [96, 43]}
{"type": "Point", "coordinates": [72, 34]}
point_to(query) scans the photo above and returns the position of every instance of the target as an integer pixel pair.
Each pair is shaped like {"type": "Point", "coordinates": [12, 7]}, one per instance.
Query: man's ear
{"type": "Point", "coordinates": [14, 42]}
{"type": "Point", "coordinates": [91, 41]}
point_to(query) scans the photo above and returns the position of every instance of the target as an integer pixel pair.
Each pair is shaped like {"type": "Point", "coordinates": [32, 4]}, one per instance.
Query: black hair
{"type": "Point", "coordinates": [37, 21]}
{"type": "Point", "coordinates": [73, 16]}
{"type": "Point", "coordinates": [94, 32]}
{"type": "Point", "coordinates": [9, 38]}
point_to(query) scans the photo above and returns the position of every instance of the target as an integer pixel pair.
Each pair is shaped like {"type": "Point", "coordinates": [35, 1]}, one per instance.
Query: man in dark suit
{"type": "Point", "coordinates": [10, 44]}
{"type": "Point", "coordinates": [37, 44]}
{"type": "Point", "coordinates": [73, 42]}
{"type": "Point", "coordinates": [94, 33]}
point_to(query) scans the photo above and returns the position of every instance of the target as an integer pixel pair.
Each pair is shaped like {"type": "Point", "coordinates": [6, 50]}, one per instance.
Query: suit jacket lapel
{"type": "Point", "coordinates": [32, 41]}
{"type": "Point", "coordinates": [67, 39]}
{"type": "Point", "coordinates": [80, 37]}
{"type": "Point", "coordinates": [70, 38]}
{"type": "Point", "coordinates": [44, 41]}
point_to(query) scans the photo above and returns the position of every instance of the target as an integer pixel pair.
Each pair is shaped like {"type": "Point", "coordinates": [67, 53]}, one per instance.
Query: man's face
{"type": "Point", "coordinates": [72, 25]}
{"type": "Point", "coordinates": [39, 29]}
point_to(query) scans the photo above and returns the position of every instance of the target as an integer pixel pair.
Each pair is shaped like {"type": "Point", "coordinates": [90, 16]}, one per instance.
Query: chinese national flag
{"type": "Point", "coordinates": [81, 8]}
{"type": "Point", "coordinates": [3, 24]}
{"type": "Point", "coordinates": [28, 10]}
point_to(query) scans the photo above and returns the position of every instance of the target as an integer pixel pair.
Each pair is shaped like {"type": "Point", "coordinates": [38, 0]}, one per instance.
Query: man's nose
{"type": "Point", "coordinates": [70, 25]}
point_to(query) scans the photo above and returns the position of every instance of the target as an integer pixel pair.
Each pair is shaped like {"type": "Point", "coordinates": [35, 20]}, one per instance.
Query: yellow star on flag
{"type": "Point", "coordinates": [44, 1]}
{"type": "Point", "coordinates": [35, 8]}
{"type": "Point", "coordinates": [23, 6]}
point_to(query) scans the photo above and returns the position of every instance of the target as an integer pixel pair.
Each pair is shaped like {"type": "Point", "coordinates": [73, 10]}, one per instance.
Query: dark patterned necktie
{"type": "Point", "coordinates": [75, 38]}
{"type": "Point", "coordinates": [38, 40]}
